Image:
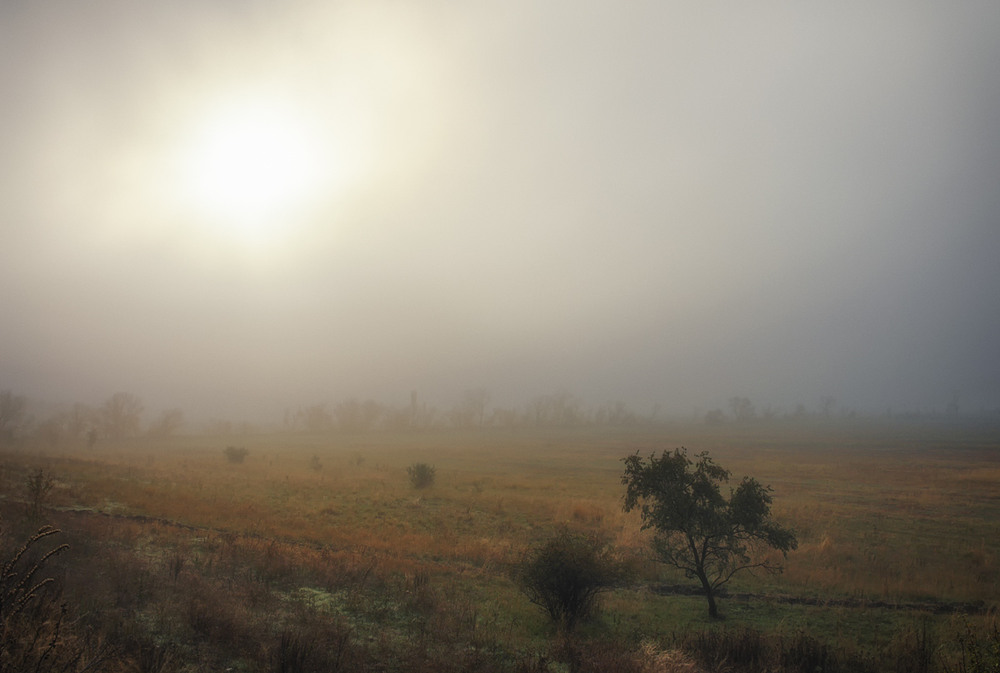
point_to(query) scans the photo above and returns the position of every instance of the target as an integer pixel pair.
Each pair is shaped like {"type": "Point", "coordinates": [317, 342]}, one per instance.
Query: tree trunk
{"type": "Point", "coordinates": [713, 610]}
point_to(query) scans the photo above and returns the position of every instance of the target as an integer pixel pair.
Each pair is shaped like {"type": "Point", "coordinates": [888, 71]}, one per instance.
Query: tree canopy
{"type": "Point", "coordinates": [699, 530]}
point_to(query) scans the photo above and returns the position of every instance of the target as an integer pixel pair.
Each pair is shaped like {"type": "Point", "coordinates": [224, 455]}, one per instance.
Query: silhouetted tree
{"type": "Point", "coordinates": [826, 404]}
{"type": "Point", "coordinates": [614, 413]}
{"type": "Point", "coordinates": [121, 414]}
{"type": "Point", "coordinates": [742, 408]}
{"type": "Point", "coordinates": [81, 420]}
{"type": "Point", "coordinates": [715, 417]}
{"type": "Point", "coordinates": [316, 418]}
{"type": "Point", "coordinates": [472, 409]}
{"type": "Point", "coordinates": [698, 530]}
{"type": "Point", "coordinates": [12, 414]}
{"type": "Point", "coordinates": [167, 423]}
{"type": "Point", "coordinates": [353, 415]}
{"type": "Point", "coordinates": [559, 408]}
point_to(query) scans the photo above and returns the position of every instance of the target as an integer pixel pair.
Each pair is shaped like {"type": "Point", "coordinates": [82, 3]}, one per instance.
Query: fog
{"type": "Point", "coordinates": [660, 203]}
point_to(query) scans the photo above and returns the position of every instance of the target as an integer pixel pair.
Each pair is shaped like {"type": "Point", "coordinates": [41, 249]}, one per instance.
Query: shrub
{"type": "Point", "coordinates": [236, 454]}
{"type": "Point", "coordinates": [565, 576]}
{"type": "Point", "coordinates": [421, 475]}
{"type": "Point", "coordinates": [38, 486]}
{"type": "Point", "coordinates": [978, 653]}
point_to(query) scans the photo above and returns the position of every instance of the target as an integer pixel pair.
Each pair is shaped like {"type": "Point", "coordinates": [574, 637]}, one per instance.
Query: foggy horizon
{"type": "Point", "coordinates": [242, 208]}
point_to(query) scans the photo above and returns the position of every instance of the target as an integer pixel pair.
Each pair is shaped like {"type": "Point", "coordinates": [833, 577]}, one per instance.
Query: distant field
{"type": "Point", "coordinates": [897, 528]}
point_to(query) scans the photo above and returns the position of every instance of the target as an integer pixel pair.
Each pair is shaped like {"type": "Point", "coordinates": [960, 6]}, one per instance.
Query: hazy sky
{"type": "Point", "coordinates": [236, 207]}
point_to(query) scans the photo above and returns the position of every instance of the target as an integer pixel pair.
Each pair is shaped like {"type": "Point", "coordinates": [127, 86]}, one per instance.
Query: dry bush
{"type": "Point", "coordinates": [587, 513]}
{"type": "Point", "coordinates": [653, 659]}
{"type": "Point", "coordinates": [36, 631]}
{"type": "Point", "coordinates": [321, 646]}
{"type": "Point", "coordinates": [236, 454]}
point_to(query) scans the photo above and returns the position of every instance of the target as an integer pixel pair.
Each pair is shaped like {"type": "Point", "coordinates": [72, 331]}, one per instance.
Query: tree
{"type": "Point", "coordinates": [354, 415]}
{"type": "Point", "coordinates": [167, 424]}
{"type": "Point", "coordinates": [565, 576]}
{"type": "Point", "coordinates": [12, 414]}
{"type": "Point", "coordinates": [697, 529]}
{"type": "Point", "coordinates": [121, 414]}
{"type": "Point", "coordinates": [742, 408]}
{"type": "Point", "coordinates": [81, 420]}
{"type": "Point", "coordinates": [471, 411]}
{"type": "Point", "coordinates": [715, 417]}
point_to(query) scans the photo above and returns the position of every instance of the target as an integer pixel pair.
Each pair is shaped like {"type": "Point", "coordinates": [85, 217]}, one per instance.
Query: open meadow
{"type": "Point", "coordinates": [316, 553]}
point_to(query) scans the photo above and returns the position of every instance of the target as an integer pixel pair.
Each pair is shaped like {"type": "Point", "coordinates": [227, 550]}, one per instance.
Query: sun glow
{"type": "Point", "coordinates": [253, 168]}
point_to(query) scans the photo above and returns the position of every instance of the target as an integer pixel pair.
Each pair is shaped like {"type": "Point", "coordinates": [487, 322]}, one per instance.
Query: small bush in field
{"type": "Point", "coordinates": [421, 475]}
{"type": "Point", "coordinates": [565, 576]}
{"type": "Point", "coordinates": [236, 454]}
{"type": "Point", "coordinates": [38, 486]}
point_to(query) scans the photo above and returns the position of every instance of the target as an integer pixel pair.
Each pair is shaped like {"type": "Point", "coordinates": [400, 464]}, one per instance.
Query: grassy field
{"type": "Point", "coordinates": [316, 553]}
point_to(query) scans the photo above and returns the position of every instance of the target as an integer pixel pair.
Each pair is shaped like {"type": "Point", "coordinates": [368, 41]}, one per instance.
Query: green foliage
{"type": "Point", "coordinates": [698, 530]}
{"type": "Point", "coordinates": [565, 576]}
{"type": "Point", "coordinates": [421, 475]}
{"type": "Point", "coordinates": [236, 454]}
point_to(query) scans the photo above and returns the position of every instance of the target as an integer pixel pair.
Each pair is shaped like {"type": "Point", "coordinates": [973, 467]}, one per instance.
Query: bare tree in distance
{"type": "Point", "coordinates": [168, 422]}
{"type": "Point", "coordinates": [353, 415]}
{"type": "Point", "coordinates": [559, 408]}
{"type": "Point", "coordinates": [743, 409]}
{"type": "Point", "coordinates": [13, 412]}
{"type": "Point", "coordinates": [316, 418]}
{"type": "Point", "coordinates": [121, 414]}
{"type": "Point", "coordinates": [471, 410]}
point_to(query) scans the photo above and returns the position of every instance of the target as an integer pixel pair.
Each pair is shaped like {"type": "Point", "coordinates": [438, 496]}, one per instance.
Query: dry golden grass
{"type": "Point", "coordinates": [879, 512]}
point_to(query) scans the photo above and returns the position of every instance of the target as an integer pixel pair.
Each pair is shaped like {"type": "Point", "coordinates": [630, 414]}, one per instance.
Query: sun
{"type": "Point", "coordinates": [252, 167]}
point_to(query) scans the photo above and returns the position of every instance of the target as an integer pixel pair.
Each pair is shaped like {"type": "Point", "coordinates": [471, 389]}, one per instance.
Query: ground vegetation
{"type": "Point", "coordinates": [178, 562]}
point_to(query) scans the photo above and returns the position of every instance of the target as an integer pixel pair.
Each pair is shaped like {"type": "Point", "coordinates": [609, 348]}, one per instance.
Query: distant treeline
{"type": "Point", "coordinates": [120, 417]}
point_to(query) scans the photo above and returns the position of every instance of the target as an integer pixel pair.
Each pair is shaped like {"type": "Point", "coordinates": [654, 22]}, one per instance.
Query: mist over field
{"type": "Point", "coordinates": [240, 208]}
